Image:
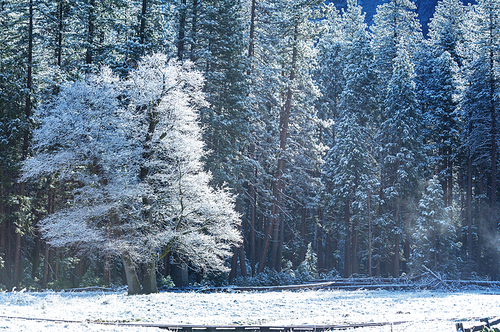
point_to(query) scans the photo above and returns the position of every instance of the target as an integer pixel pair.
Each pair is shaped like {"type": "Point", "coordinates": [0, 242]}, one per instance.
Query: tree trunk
{"type": "Point", "coordinates": [3, 228]}
{"type": "Point", "coordinates": [59, 33]}
{"type": "Point", "coordinates": [149, 278]}
{"type": "Point", "coordinates": [180, 273]}
{"type": "Point", "coordinates": [319, 245]}
{"type": "Point", "coordinates": [253, 192]}
{"type": "Point", "coordinates": [50, 210]}
{"type": "Point", "coordinates": [253, 216]}
{"type": "Point", "coordinates": [397, 215]}
{"type": "Point", "coordinates": [275, 259]}
{"type": "Point", "coordinates": [395, 261]}
{"type": "Point", "coordinates": [347, 246]}
{"type": "Point", "coordinates": [17, 278]}
{"type": "Point", "coordinates": [328, 249]}
{"type": "Point", "coordinates": [369, 237]}
{"type": "Point", "coordinates": [493, 137]}
{"type": "Point", "coordinates": [234, 264]}
{"type": "Point", "coordinates": [302, 255]}
{"type": "Point", "coordinates": [243, 264]}
{"type": "Point", "coordinates": [90, 33]}
{"type": "Point", "coordinates": [355, 248]}
{"type": "Point", "coordinates": [194, 31]}
{"type": "Point", "coordinates": [142, 24]}
{"type": "Point", "coordinates": [252, 30]}
{"type": "Point", "coordinates": [107, 269]}
{"type": "Point", "coordinates": [284, 122]}
{"type": "Point", "coordinates": [134, 287]}
{"type": "Point", "coordinates": [182, 31]}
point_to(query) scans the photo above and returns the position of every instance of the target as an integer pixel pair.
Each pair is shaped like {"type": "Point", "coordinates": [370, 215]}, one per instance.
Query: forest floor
{"type": "Point", "coordinates": [412, 310]}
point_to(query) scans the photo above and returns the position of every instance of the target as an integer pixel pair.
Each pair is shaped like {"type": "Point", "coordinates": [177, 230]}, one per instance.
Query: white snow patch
{"type": "Point", "coordinates": [423, 310]}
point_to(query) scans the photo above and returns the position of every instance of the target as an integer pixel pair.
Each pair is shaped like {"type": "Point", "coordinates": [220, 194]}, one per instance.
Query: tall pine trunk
{"type": "Point", "coordinates": [90, 33]}
{"type": "Point", "coordinates": [182, 31]}
{"type": "Point", "coordinates": [347, 245]}
{"type": "Point", "coordinates": [279, 184]}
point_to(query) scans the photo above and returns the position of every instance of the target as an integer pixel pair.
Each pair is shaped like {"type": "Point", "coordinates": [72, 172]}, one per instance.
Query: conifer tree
{"type": "Point", "coordinates": [400, 150]}
{"type": "Point", "coordinates": [396, 38]}
{"type": "Point", "coordinates": [349, 169]}
{"type": "Point", "coordinates": [481, 107]}
{"type": "Point", "coordinates": [434, 234]}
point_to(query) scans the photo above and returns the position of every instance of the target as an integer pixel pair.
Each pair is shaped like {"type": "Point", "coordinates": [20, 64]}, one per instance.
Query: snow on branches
{"type": "Point", "coordinates": [131, 150]}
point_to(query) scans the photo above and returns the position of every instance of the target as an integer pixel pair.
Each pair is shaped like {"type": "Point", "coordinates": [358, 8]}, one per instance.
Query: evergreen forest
{"type": "Point", "coordinates": [246, 142]}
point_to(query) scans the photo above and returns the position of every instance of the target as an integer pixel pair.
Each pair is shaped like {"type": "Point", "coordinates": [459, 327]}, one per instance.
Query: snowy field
{"type": "Point", "coordinates": [422, 310]}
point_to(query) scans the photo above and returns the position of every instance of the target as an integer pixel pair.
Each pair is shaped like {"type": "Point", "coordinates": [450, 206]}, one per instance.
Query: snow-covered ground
{"type": "Point", "coordinates": [423, 310]}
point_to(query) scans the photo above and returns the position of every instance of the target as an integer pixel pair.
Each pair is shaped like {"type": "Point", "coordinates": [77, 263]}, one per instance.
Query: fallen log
{"type": "Point", "coordinates": [437, 278]}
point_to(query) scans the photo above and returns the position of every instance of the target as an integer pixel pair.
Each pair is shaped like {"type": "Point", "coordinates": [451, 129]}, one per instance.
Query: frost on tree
{"type": "Point", "coordinates": [132, 149]}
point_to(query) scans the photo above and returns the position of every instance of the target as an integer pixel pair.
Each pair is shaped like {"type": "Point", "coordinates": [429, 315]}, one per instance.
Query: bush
{"type": "Point", "coordinates": [90, 279]}
{"type": "Point", "coordinates": [304, 273]}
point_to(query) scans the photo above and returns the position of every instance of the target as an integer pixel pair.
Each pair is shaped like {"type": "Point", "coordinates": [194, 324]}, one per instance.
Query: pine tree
{"type": "Point", "coordinates": [482, 112]}
{"type": "Point", "coordinates": [396, 38]}
{"type": "Point", "coordinates": [226, 88]}
{"type": "Point", "coordinates": [434, 234]}
{"type": "Point", "coordinates": [349, 169]}
{"type": "Point", "coordinates": [437, 81]}
{"type": "Point", "coordinates": [395, 27]}
{"type": "Point", "coordinates": [285, 69]}
{"type": "Point", "coordinates": [400, 150]}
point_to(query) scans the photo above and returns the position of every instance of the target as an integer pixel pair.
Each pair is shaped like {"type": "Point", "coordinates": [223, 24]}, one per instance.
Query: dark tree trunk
{"type": "Point", "coordinates": [369, 237]}
{"type": "Point", "coordinates": [90, 33]}
{"type": "Point", "coordinates": [142, 24]}
{"type": "Point", "coordinates": [355, 248]}
{"type": "Point", "coordinates": [283, 126]}
{"type": "Point", "coordinates": [3, 227]}
{"type": "Point", "coordinates": [470, 255]}
{"type": "Point", "coordinates": [17, 278]}
{"type": "Point", "coordinates": [253, 192]}
{"type": "Point", "coordinates": [347, 246]}
{"type": "Point", "coordinates": [149, 278]}
{"type": "Point", "coordinates": [59, 32]}
{"type": "Point", "coordinates": [327, 252]}
{"type": "Point", "coordinates": [302, 255]}
{"type": "Point", "coordinates": [493, 227]}
{"type": "Point", "coordinates": [194, 31]}
{"type": "Point", "coordinates": [182, 31]}
{"type": "Point", "coordinates": [134, 287]}
{"type": "Point", "coordinates": [234, 264]}
{"type": "Point", "coordinates": [243, 264]}
{"type": "Point", "coordinates": [319, 245]}
{"type": "Point", "coordinates": [253, 216]}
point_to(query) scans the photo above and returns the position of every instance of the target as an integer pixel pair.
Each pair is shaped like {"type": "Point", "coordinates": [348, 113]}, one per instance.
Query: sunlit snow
{"type": "Point", "coordinates": [422, 310]}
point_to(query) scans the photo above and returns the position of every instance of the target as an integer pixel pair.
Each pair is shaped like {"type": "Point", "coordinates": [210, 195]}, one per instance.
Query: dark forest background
{"type": "Point", "coordinates": [355, 145]}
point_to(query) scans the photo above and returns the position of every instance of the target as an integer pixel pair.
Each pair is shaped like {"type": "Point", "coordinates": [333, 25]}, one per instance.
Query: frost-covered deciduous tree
{"type": "Point", "coordinates": [132, 150]}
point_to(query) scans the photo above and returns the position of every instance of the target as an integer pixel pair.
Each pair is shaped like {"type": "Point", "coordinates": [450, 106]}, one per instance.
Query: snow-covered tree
{"type": "Point", "coordinates": [437, 84]}
{"type": "Point", "coordinates": [395, 27]}
{"type": "Point", "coordinates": [132, 150]}
{"type": "Point", "coordinates": [226, 119]}
{"type": "Point", "coordinates": [284, 96]}
{"type": "Point", "coordinates": [434, 235]}
{"type": "Point", "coordinates": [328, 72]}
{"type": "Point", "coordinates": [481, 107]}
{"type": "Point", "coordinates": [396, 38]}
{"type": "Point", "coordinates": [400, 149]}
{"type": "Point", "coordinates": [350, 169]}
